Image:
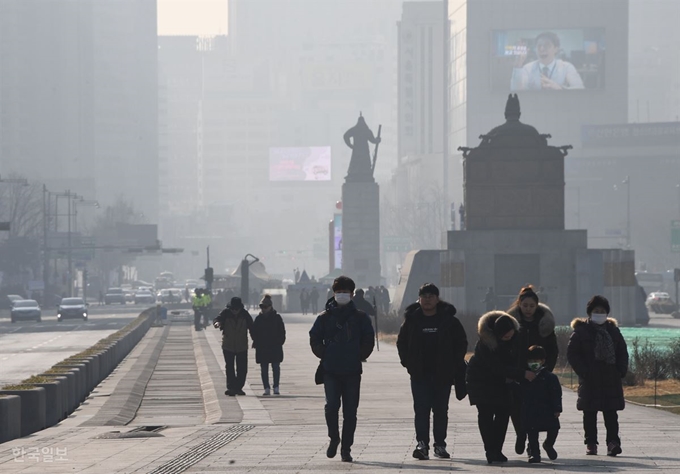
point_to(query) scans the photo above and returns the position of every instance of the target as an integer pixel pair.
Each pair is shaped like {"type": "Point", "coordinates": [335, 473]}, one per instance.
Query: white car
{"type": "Point", "coordinates": [660, 303]}
{"type": "Point", "coordinates": [26, 309]}
{"type": "Point", "coordinates": [144, 297]}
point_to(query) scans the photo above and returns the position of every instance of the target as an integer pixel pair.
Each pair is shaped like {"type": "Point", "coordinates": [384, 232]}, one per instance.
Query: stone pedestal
{"type": "Point", "coordinates": [361, 233]}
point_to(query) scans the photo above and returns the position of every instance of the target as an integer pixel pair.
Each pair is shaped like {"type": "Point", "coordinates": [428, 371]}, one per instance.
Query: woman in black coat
{"type": "Point", "coordinates": [536, 328]}
{"type": "Point", "coordinates": [492, 368]}
{"type": "Point", "coordinates": [269, 335]}
{"type": "Point", "coordinates": [598, 354]}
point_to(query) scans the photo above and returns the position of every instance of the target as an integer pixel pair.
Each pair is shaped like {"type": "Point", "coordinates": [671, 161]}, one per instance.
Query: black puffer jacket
{"type": "Point", "coordinates": [494, 364]}
{"type": "Point", "coordinates": [451, 343]}
{"type": "Point", "coordinates": [269, 335]}
{"type": "Point", "coordinates": [541, 399]}
{"type": "Point", "coordinates": [599, 384]}
{"type": "Point", "coordinates": [540, 332]}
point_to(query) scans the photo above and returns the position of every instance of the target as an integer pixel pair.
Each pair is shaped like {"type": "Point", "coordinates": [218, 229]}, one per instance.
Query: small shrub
{"type": "Point", "coordinates": [390, 323]}
{"type": "Point", "coordinates": [562, 333]}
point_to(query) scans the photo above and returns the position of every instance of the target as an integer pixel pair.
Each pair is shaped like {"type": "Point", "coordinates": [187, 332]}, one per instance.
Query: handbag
{"type": "Point", "coordinates": [459, 381]}
{"type": "Point", "coordinates": [318, 376]}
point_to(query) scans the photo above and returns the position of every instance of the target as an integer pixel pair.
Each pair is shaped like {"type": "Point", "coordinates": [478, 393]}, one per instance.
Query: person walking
{"type": "Point", "coordinates": [235, 322]}
{"type": "Point", "coordinates": [342, 336]}
{"type": "Point", "coordinates": [197, 306]}
{"type": "Point", "coordinates": [536, 328]}
{"type": "Point", "coordinates": [314, 300]}
{"type": "Point", "coordinates": [432, 345]}
{"type": "Point", "coordinates": [361, 303]}
{"type": "Point", "coordinates": [269, 335]}
{"type": "Point", "coordinates": [598, 354]}
{"type": "Point", "coordinates": [541, 406]}
{"type": "Point", "coordinates": [492, 368]}
{"type": "Point", "coordinates": [304, 301]}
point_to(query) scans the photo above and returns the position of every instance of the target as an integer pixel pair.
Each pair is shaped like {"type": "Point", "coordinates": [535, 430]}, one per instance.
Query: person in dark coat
{"type": "Point", "coordinates": [235, 323]}
{"type": "Point", "coordinates": [304, 301]}
{"type": "Point", "coordinates": [432, 345]}
{"type": "Point", "coordinates": [598, 354]}
{"type": "Point", "coordinates": [269, 335]}
{"type": "Point", "coordinates": [314, 300]}
{"type": "Point", "coordinates": [541, 406]}
{"type": "Point", "coordinates": [492, 368]}
{"type": "Point", "coordinates": [362, 304]}
{"type": "Point", "coordinates": [536, 328]}
{"type": "Point", "coordinates": [342, 336]}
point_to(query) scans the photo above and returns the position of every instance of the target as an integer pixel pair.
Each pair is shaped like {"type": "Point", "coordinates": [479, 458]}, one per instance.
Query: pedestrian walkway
{"type": "Point", "coordinates": [200, 430]}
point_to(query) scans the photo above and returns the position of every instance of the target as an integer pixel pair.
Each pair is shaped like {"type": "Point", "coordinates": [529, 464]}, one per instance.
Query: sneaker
{"type": "Point", "coordinates": [534, 459]}
{"type": "Point", "coordinates": [266, 392]}
{"type": "Point", "coordinates": [441, 452]}
{"type": "Point", "coordinates": [240, 392]}
{"type": "Point", "coordinates": [591, 449]}
{"type": "Point", "coordinates": [550, 451]}
{"type": "Point", "coordinates": [519, 444]}
{"type": "Point", "coordinates": [345, 455]}
{"type": "Point", "coordinates": [422, 451]}
{"type": "Point", "coordinates": [230, 393]}
{"type": "Point", "coordinates": [332, 448]}
{"type": "Point", "coordinates": [276, 391]}
{"type": "Point", "coordinates": [613, 449]}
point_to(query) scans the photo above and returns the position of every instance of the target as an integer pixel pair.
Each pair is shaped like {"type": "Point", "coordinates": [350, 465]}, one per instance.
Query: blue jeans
{"type": "Point", "coordinates": [430, 396]}
{"type": "Point", "coordinates": [342, 389]}
{"type": "Point", "coordinates": [276, 370]}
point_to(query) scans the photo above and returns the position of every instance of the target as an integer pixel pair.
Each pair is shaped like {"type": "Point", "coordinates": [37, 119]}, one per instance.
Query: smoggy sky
{"type": "Point", "coordinates": [192, 17]}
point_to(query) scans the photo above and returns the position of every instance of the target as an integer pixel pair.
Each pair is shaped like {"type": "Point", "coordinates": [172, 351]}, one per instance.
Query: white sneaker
{"type": "Point", "coordinates": [266, 392]}
{"type": "Point", "coordinates": [276, 391]}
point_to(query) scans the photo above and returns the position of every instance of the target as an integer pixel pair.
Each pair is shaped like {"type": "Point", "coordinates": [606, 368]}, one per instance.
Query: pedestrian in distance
{"type": "Point", "coordinates": [361, 303]}
{"type": "Point", "coordinates": [269, 335]}
{"type": "Point", "coordinates": [235, 322]}
{"type": "Point", "coordinates": [536, 328]}
{"type": "Point", "coordinates": [304, 301]}
{"type": "Point", "coordinates": [598, 354]}
{"type": "Point", "coordinates": [342, 336]}
{"type": "Point", "coordinates": [197, 306]}
{"type": "Point", "coordinates": [541, 406]}
{"type": "Point", "coordinates": [493, 367]}
{"type": "Point", "coordinates": [432, 345]}
{"type": "Point", "coordinates": [314, 300]}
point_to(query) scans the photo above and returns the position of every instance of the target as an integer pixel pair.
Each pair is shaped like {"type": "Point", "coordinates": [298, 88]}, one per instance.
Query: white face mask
{"type": "Point", "coordinates": [343, 298]}
{"type": "Point", "coordinates": [598, 318]}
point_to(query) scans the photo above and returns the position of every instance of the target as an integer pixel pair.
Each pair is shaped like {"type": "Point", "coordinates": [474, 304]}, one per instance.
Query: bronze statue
{"type": "Point", "coordinates": [360, 167]}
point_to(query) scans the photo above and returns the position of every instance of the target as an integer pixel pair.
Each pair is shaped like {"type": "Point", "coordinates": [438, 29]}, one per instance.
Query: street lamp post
{"type": "Point", "coordinates": [627, 183]}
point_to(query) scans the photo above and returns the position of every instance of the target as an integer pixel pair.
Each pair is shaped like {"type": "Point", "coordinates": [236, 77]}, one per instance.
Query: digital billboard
{"type": "Point", "coordinates": [548, 60]}
{"type": "Point", "coordinates": [337, 239]}
{"type": "Point", "coordinates": [300, 163]}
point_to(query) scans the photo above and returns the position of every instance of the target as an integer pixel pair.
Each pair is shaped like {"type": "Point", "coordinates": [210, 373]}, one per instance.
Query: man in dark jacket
{"type": "Point", "coordinates": [342, 336]}
{"type": "Point", "coordinates": [432, 345]}
{"type": "Point", "coordinates": [235, 323]}
{"type": "Point", "coordinates": [361, 303]}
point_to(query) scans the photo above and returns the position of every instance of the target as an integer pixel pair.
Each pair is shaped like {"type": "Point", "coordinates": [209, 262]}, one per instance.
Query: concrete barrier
{"type": "Point", "coordinates": [53, 402]}
{"type": "Point", "coordinates": [81, 379]}
{"type": "Point", "coordinates": [10, 417]}
{"type": "Point", "coordinates": [32, 409]}
{"type": "Point", "coordinates": [71, 400]}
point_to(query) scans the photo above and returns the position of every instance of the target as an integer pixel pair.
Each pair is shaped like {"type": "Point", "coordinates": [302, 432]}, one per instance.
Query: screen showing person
{"type": "Point", "coordinates": [300, 164]}
{"type": "Point", "coordinates": [558, 60]}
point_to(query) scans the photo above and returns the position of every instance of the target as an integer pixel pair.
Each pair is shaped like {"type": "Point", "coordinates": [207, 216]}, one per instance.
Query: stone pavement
{"type": "Point", "coordinates": [174, 380]}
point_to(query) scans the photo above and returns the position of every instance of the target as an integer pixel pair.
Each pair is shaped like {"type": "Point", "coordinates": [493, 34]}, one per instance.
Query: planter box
{"type": "Point", "coordinates": [70, 401]}
{"type": "Point", "coordinates": [53, 402]}
{"type": "Point", "coordinates": [10, 418]}
{"type": "Point", "coordinates": [81, 380]}
{"type": "Point", "coordinates": [32, 409]}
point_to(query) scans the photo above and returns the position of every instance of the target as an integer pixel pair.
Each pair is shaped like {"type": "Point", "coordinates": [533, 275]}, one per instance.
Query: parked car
{"type": "Point", "coordinates": [114, 295]}
{"type": "Point", "coordinates": [144, 297]}
{"type": "Point", "coordinates": [26, 309]}
{"type": "Point", "coordinates": [660, 303]}
{"type": "Point", "coordinates": [129, 296]}
{"type": "Point", "coordinates": [72, 308]}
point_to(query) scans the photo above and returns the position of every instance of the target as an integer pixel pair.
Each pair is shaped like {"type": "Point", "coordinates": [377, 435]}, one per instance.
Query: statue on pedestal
{"type": "Point", "coordinates": [360, 166]}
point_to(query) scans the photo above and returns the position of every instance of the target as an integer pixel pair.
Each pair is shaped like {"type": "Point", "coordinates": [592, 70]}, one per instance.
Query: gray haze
{"type": "Point", "coordinates": [93, 101]}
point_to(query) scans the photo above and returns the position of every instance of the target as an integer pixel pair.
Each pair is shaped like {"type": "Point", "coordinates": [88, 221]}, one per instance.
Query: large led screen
{"type": "Point", "coordinates": [300, 164]}
{"type": "Point", "coordinates": [548, 60]}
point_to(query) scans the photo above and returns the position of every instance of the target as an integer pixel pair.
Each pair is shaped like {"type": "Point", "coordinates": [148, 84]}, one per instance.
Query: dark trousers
{"type": "Point", "coordinates": [197, 319]}
{"type": "Point", "coordinates": [276, 371]}
{"type": "Point", "coordinates": [431, 397]}
{"type": "Point", "coordinates": [206, 316]}
{"type": "Point", "coordinates": [550, 439]}
{"type": "Point", "coordinates": [493, 424]}
{"type": "Point", "coordinates": [236, 379]}
{"type": "Point", "coordinates": [315, 306]}
{"type": "Point", "coordinates": [342, 389]}
{"type": "Point", "coordinates": [611, 424]}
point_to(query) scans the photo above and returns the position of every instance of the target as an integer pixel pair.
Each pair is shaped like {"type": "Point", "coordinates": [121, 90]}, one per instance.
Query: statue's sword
{"type": "Point", "coordinates": [375, 152]}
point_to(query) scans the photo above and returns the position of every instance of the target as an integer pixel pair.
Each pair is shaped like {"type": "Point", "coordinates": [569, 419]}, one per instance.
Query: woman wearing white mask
{"type": "Point", "coordinates": [597, 352]}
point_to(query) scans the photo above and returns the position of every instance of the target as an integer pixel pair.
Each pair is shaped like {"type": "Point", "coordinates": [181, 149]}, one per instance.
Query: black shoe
{"type": "Point", "coordinates": [519, 444]}
{"type": "Point", "coordinates": [332, 448]}
{"type": "Point", "coordinates": [500, 457]}
{"type": "Point", "coordinates": [230, 393]}
{"type": "Point", "coordinates": [490, 458]}
{"type": "Point", "coordinates": [534, 459]}
{"type": "Point", "coordinates": [421, 452]}
{"type": "Point", "coordinates": [441, 452]}
{"type": "Point", "coordinates": [550, 451]}
{"type": "Point", "coordinates": [345, 455]}
{"type": "Point", "coordinates": [240, 392]}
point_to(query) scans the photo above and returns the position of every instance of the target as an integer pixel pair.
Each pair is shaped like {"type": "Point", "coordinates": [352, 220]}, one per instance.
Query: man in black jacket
{"type": "Point", "coordinates": [235, 323]}
{"type": "Point", "coordinates": [432, 345]}
{"type": "Point", "coordinates": [342, 336]}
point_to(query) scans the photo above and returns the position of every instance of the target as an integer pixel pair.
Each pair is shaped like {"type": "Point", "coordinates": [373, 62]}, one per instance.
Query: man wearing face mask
{"type": "Point", "coordinates": [342, 336]}
{"type": "Point", "coordinates": [598, 354]}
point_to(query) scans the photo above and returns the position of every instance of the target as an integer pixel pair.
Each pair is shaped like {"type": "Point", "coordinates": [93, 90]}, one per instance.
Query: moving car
{"type": "Point", "coordinates": [144, 297]}
{"type": "Point", "coordinates": [114, 295]}
{"type": "Point", "coordinates": [660, 303]}
{"type": "Point", "coordinates": [72, 308]}
{"type": "Point", "coordinates": [26, 309]}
